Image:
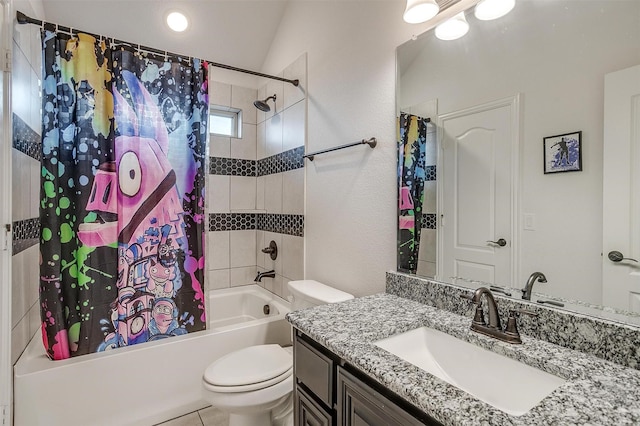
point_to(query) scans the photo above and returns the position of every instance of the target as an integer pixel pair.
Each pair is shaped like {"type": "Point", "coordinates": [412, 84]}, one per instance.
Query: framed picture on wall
{"type": "Point", "coordinates": [563, 153]}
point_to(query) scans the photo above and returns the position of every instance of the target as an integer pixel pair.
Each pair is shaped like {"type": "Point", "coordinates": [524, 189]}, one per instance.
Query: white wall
{"type": "Point", "coordinates": [350, 217]}
{"type": "Point", "coordinates": [556, 54]}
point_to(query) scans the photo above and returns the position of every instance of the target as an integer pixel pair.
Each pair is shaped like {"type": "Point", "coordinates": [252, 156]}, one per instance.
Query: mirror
{"type": "Point", "coordinates": [530, 79]}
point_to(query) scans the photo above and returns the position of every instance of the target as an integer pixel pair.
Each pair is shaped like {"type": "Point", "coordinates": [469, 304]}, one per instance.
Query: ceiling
{"type": "Point", "coordinates": [233, 32]}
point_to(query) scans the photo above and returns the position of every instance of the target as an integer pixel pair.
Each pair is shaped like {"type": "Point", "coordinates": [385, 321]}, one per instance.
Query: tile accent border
{"type": "Point", "coordinates": [290, 224]}
{"type": "Point", "coordinates": [283, 162]}
{"type": "Point", "coordinates": [232, 221]}
{"type": "Point", "coordinates": [25, 139]}
{"type": "Point", "coordinates": [232, 166]}
{"type": "Point", "coordinates": [606, 339]}
{"type": "Point", "coordinates": [430, 172]}
{"type": "Point", "coordinates": [26, 233]}
{"type": "Point", "coordinates": [428, 221]}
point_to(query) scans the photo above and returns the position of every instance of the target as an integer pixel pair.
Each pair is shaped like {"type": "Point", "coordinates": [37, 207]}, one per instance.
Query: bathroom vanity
{"type": "Point", "coordinates": [344, 378]}
{"type": "Point", "coordinates": [329, 391]}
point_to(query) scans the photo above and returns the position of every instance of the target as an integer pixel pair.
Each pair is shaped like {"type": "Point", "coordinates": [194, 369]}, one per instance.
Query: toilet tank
{"type": "Point", "coordinates": [308, 293]}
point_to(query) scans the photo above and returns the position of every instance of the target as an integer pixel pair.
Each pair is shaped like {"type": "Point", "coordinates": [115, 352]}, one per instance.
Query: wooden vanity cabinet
{"type": "Point", "coordinates": [329, 392]}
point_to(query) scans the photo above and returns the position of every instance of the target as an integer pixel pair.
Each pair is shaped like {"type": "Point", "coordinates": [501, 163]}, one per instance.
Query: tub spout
{"type": "Point", "coordinates": [267, 274]}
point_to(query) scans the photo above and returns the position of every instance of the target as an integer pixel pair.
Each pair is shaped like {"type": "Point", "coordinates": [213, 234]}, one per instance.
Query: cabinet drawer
{"type": "Point", "coordinates": [314, 370]}
{"type": "Point", "coordinates": [309, 413]}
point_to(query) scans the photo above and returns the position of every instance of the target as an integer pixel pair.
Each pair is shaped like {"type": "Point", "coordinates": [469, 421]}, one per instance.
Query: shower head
{"type": "Point", "coordinates": [263, 106]}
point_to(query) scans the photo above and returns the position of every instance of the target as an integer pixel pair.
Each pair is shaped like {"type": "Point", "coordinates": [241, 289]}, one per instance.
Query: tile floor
{"type": "Point", "coordinates": [209, 416]}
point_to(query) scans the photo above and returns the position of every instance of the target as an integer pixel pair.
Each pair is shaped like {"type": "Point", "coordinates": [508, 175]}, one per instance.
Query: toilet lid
{"type": "Point", "coordinates": [250, 366]}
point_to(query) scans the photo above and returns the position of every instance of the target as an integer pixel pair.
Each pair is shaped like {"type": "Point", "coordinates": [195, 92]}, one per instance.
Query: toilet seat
{"type": "Point", "coordinates": [249, 369]}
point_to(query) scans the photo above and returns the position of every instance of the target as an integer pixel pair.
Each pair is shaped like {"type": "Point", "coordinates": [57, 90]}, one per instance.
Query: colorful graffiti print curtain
{"type": "Point", "coordinates": [412, 138]}
{"type": "Point", "coordinates": [122, 199]}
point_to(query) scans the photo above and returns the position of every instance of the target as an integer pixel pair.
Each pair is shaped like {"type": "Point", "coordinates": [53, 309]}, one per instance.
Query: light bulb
{"type": "Point", "coordinates": [453, 28]}
{"type": "Point", "coordinates": [487, 10]}
{"type": "Point", "coordinates": [177, 21]}
{"type": "Point", "coordinates": [419, 11]}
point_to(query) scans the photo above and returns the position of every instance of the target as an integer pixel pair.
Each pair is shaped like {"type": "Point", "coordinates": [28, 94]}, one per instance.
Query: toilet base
{"type": "Point", "coordinates": [260, 419]}
{"type": "Point", "coordinates": [282, 415]}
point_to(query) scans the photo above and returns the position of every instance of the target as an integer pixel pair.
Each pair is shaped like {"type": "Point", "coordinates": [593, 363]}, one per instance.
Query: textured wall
{"type": "Point", "coordinates": [350, 233]}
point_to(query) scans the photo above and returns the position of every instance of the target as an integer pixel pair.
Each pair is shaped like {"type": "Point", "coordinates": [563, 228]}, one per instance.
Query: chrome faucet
{"type": "Point", "coordinates": [526, 291]}
{"type": "Point", "coordinates": [510, 334]}
{"type": "Point", "coordinates": [266, 274]}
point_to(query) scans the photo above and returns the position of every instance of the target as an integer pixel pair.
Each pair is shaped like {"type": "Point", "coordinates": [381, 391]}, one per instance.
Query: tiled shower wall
{"type": "Point", "coordinates": [25, 314]}
{"type": "Point", "coordinates": [256, 186]}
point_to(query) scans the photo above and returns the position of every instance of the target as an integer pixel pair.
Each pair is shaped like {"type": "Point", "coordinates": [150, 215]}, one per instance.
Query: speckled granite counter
{"type": "Point", "coordinates": [597, 392]}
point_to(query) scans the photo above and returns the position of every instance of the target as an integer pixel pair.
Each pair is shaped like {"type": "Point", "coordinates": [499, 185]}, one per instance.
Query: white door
{"type": "Point", "coordinates": [621, 189]}
{"type": "Point", "coordinates": [476, 232]}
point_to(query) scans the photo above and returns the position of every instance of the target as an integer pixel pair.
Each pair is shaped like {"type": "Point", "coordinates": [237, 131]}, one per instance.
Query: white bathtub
{"type": "Point", "coordinates": [148, 383]}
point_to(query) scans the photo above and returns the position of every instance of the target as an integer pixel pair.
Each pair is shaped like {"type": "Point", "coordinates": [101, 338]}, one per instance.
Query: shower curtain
{"type": "Point", "coordinates": [412, 138]}
{"type": "Point", "coordinates": [122, 195]}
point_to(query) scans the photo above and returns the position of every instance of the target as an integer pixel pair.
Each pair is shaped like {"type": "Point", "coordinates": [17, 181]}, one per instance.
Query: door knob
{"type": "Point", "coordinates": [616, 256]}
{"type": "Point", "coordinates": [501, 242]}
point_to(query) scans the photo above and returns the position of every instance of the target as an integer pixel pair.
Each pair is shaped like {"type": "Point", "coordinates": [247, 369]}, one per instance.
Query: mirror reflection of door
{"type": "Point", "coordinates": [621, 189]}
{"type": "Point", "coordinates": [479, 159]}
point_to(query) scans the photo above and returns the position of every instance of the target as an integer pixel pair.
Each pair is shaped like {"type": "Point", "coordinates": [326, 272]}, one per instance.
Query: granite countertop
{"type": "Point", "coordinates": [597, 392]}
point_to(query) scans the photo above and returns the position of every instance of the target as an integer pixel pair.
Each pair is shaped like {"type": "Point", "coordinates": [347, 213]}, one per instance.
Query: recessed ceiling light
{"type": "Point", "coordinates": [177, 21]}
{"type": "Point", "coordinates": [453, 28]}
{"type": "Point", "coordinates": [487, 10]}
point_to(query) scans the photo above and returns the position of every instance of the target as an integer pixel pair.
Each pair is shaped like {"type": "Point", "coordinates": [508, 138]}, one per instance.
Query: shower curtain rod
{"type": "Point", "coordinates": [24, 19]}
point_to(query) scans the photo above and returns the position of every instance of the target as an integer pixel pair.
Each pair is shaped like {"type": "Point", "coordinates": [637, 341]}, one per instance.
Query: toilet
{"type": "Point", "coordinates": [255, 384]}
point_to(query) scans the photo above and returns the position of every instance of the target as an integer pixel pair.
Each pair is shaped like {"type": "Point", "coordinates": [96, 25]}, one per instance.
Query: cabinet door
{"type": "Point", "coordinates": [314, 370]}
{"type": "Point", "coordinates": [308, 413]}
{"type": "Point", "coordinates": [360, 405]}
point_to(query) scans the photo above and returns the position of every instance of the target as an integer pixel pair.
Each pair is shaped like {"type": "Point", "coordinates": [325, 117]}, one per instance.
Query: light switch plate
{"type": "Point", "coordinates": [529, 222]}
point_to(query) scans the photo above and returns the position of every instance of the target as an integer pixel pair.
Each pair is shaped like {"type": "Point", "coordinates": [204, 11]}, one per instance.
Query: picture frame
{"type": "Point", "coordinates": [563, 153]}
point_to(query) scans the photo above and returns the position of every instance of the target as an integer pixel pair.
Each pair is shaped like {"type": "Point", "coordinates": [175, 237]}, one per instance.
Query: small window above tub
{"type": "Point", "coordinates": [225, 121]}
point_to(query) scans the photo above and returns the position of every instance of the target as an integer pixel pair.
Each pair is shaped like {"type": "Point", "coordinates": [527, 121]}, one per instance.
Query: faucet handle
{"type": "Point", "coordinates": [514, 312]}
{"type": "Point", "coordinates": [498, 289]}
{"type": "Point", "coordinates": [466, 296]}
{"type": "Point", "coordinates": [478, 317]}
{"type": "Point", "coordinates": [512, 326]}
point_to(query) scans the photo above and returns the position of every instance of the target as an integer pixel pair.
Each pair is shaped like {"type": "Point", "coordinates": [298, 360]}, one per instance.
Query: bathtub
{"type": "Point", "coordinates": [148, 383]}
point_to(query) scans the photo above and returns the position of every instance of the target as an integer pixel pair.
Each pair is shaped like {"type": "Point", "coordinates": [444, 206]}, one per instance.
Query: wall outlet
{"type": "Point", "coordinates": [529, 222]}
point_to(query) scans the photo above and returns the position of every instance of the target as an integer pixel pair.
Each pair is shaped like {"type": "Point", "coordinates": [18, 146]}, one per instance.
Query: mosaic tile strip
{"type": "Point", "coordinates": [232, 166]}
{"type": "Point", "coordinates": [25, 139]}
{"type": "Point", "coordinates": [428, 221]}
{"type": "Point", "coordinates": [232, 221]}
{"type": "Point", "coordinates": [283, 162]}
{"type": "Point", "coordinates": [26, 233]}
{"type": "Point", "coordinates": [290, 224]}
{"type": "Point", "coordinates": [430, 173]}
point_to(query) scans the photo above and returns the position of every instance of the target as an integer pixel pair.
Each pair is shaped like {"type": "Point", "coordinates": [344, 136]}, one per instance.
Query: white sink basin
{"type": "Point", "coordinates": [508, 385]}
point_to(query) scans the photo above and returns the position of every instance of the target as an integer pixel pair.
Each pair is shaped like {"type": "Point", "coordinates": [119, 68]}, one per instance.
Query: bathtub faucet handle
{"type": "Point", "coordinates": [272, 250]}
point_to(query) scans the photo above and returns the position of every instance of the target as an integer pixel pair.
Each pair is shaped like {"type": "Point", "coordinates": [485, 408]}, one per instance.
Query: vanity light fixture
{"type": "Point", "coordinates": [453, 28]}
{"type": "Point", "coordinates": [487, 10]}
{"type": "Point", "coordinates": [177, 21]}
{"type": "Point", "coordinates": [419, 11]}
